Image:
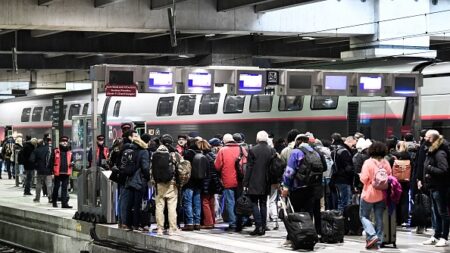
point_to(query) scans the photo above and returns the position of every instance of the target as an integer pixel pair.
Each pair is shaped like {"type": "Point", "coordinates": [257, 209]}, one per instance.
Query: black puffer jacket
{"type": "Point", "coordinates": [256, 176]}
{"type": "Point", "coordinates": [212, 184]}
{"type": "Point", "coordinates": [192, 183]}
{"type": "Point", "coordinates": [343, 169]}
{"type": "Point", "coordinates": [436, 166]}
{"type": "Point", "coordinates": [39, 158]}
{"type": "Point", "coordinates": [26, 154]}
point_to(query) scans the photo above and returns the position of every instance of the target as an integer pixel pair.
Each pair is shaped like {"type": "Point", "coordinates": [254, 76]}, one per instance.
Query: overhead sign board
{"type": "Point", "coordinates": [405, 85]}
{"type": "Point", "coordinates": [198, 81]}
{"type": "Point", "coordinates": [250, 82]}
{"type": "Point", "coordinates": [301, 82]}
{"type": "Point", "coordinates": [158, 80]}
{"type": "Point", "coordinates": [337, 84]}
{"type": "Point", "coordinates": [116, 90]}
{"type": "Point", "coordinates": [372, 84]}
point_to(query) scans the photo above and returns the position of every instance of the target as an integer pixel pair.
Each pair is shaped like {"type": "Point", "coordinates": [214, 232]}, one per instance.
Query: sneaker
{"type": "Point", "coordinates": [36, 200]}
{"type": "Point", "coordinates": [431, 241]}
{"type": "Point", "coordinates": [441, 243]}
{"type": "Point", "coordinates": [173, 231]}
{"type": "Point", "coordinates": [159, 231]}
{"type": "Point", "coordinates": [371, 243]}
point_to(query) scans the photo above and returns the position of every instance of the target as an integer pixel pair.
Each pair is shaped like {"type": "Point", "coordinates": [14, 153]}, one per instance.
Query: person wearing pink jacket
{"type": "Point", "coordinates": [371, 198]}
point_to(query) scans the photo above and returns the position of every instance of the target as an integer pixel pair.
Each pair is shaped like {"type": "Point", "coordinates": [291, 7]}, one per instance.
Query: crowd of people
{"type": "Point", "coordinates": [193, 181]}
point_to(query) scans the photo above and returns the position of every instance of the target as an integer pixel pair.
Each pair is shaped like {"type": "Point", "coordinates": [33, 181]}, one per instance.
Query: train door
{"type": "Point", "coordinates": [140, 127]}
{"type": "Point", "coordinates": [372, 120]}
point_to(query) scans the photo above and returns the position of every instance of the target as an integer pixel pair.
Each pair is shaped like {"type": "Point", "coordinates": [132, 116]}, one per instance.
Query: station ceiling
{"type": "Point", "coordinates": [59, 49]}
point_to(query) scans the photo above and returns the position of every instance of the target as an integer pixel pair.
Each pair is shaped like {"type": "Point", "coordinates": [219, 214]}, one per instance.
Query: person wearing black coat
{"type": "Point", "coordinates": [256, 182]}
{"type": "Point", "coordinates": [28, 148]}
{"type": "Point", "coordinates": [436, 179]}
{"type": "Point", "coordinates": [40, 158]}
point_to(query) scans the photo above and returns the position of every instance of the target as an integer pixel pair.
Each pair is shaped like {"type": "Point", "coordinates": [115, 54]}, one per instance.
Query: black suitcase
{"type": "Point", "coordinates": [332, 226]}
{"type": "Point", "coordinates": [353, 224]}
{"type": "Point", "coordinates": [300, 228]}
{"type": "Point", "coordinates": [389, 229]}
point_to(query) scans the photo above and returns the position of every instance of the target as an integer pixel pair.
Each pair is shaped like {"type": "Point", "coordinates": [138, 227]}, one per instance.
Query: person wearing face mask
{"type": "Point", "coordinates": [102, 152]}
{"type": "Point", "coordinates": [181, 145]}
{"type": "Point", "coordinates": [436, 179]}
{"type": "Point", "coordinates": [62, 161]}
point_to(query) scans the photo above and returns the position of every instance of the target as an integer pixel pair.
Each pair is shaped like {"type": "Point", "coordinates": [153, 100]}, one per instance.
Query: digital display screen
{"type": "Point", "coordinates": [405, 85]}
{"type": "Point", "coordinates": [160, 79]}
{"type": "Point", "coordinates": [202, 80]}
{"type": "Point", "coordinates": [298, 81]}
{"type": "Point", "coordinates": [370, 82]}
{"type": "Point", "coordinates": [335, 82]}
{"type": "Point", "coordinates": [250, 81]}
{"type": "Point", "coordinates": [121, 77]}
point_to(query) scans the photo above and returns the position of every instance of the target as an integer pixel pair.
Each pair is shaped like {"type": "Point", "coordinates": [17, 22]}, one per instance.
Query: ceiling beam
{"type": "Point", "coordinates": [103, 3]}
{"type": "Point", "coordinates": [46, 2]}
{"type": "Point", "coordinates": [6, 31]}
{"type": "Point", "coordinates": [144, 36]}
{"type": "Point", "coordinates": [160, 4]}
{"type": "Point", "coordinates": [281, 4]}
{"type": "Point", "coordinates": [43, 33]}
{"type": "Point", "coordinates": [92, 35]}
{"type": "Point", "coordinates": [223, 36]}
{"type": "Point", "coordinates": [226, 5]}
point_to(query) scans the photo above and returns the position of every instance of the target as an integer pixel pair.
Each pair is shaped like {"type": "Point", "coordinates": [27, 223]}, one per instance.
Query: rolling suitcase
{"type": "Point", "coordinates": [300, 228]}
{"type": "Point", "coordinates": [332, 226]}
{"type": "Point", "coordinates": [389, 229]}
{"type": "Point", "coordinates": [353, 224]}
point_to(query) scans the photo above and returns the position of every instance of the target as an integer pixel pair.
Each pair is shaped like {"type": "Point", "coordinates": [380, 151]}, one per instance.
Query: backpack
{"type": "Point", "coordinates": [184, 170]}
{"type": "Point", "coordinates": [276, 168]}
{"type": "Point", "coordinates": [128, 164]}
{"type": "Point", "coordinates": [8, 151]}
{"type": "Point", "coordinates": [238, 167]}
{"type": "Point", "coordinates": [200, 167]}
{"type": "Point", "coordinates": [402, 170]}
{"type": "Point", "coordinates": [380, 180]}
{"type": "Point", "coordinates": [311, 168]}
{"type": "Point", "coordinates": [163, 165]}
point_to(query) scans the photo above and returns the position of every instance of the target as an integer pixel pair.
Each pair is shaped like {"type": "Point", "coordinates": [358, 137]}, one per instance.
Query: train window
{"type": "Point", "coordinates": [324, 102]}
{"type": "Point", "coordinates": [165, 106]}
{"type": "Point", "coordinates": [116, 110]}
{"type": "Point", "coordinates": [261, 103]}
{"type": "Point", "coordinates": [85, 109]}
{"type": "Point", "coordinates": [290, 103]}
{"type": "Point", "coordinates": [37, 113]}
{"type": "Point", "coordinates": [64, 111]}
{"type": "Point", "coordinates": [186, 105]}
{"type": "Point", "coordinates": [25, 115]}
{"type": "Point", "coordinates": [48, 113]}
{"type": "Point", "coordinates": [209, 103]}
{"type": "Point", "coordinates": [74, 110]}
{"type": "Point", "coordinates": [234, 104]}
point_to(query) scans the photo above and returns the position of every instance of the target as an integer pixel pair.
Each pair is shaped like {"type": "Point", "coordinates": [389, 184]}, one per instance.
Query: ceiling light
{"type": "Point", "coordinates": [308, 38]}
{"type": "Point", "coordinates": [210, 35]}
{"type": "Point", "coordinates": [183, 56]}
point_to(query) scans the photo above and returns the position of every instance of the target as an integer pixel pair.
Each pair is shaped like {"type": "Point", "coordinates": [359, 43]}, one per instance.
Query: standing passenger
{"type": "Point", "coordinates": [7, 153]}
{"type": "Point", "coordinates": [40, 158]}
{"type": "Point", "coordinates": [102, 153]}
{"type": "Point", "coordinates": [62, 162]}
{"type": "Point", "coordinates": [18, 160]}
{"type": "Point", "coordinates": [28, 148]}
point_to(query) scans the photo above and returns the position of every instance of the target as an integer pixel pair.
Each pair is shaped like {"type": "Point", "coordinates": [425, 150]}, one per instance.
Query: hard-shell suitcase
{"type": "Point", "coordinates": [332, 226]}
{"type": "Point", "coordinates": [389, 229]}
{"type": "Point", "coordinates": [300, 228]}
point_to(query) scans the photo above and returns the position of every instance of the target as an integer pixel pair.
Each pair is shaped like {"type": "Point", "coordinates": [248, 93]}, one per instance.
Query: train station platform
{"type": "Point", "coordinates": [41, 227]}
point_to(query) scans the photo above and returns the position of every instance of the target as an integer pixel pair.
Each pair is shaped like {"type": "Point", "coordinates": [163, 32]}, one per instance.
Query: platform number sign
{"type": "Point", "coordinates": [273, 77]}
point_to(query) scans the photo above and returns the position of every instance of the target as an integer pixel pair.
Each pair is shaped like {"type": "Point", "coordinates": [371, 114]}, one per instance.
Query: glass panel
{"type": "Point", "coordinates": [324, 102]}
{"type": "Point", "coordinates": [37, 113]}
{"type": "Point", "coordinates": [165, 106]}
{"type": "Point", "coordinates": [290, 103]}
{"type": "Point", "coordinates": [261, 103]}
{"type": "Point", "coordinates": [64, 112]}
{"type": "Point", "coordinates": [186, 105]}
{"type": "Point", "coordinates": [234, 104]}
{"type": "Point", "coordinates": [116, 110]}
{"type": "Point", "coordinates": [85, 108]}
{"type": "Point", "coordinates": [209, 103]}
{"type": "Point", "coordinates": [25, 115]}
{"type": "Point", "coordinates": [48, 113]}
{"type": "Point", "coordinates": [74, 110]}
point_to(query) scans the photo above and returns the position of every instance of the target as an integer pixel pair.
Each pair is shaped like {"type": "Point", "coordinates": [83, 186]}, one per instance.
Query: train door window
{"type": "Point", "coordinates": [234, 104]}
{"type": "Point", "coordinates": [290, 103]}
{"type": "Point", "coordinates": [324, 102]}
{"type": "Point", "coordinates": [85, 108]}
{"type": "Point", "coordinates": [186, 105]}
{"type": "Point", "coordinates": [74, 110]}
{"type": "Point", "coordinates": [165, 106]}
{"type": "Point", "coordinates": [37, 113]}
{"type": "Point", "coordinates": [48, 111]}
{"type": "Point", "coordinates": [116, 110]}
{"type": "Point", "coordinates": [25, 115]}
{"type": "Point", "coordinates": [209, 103]}
{"type": "Point", "coordinates": [64, 111]}
{"type": "Point", "coordinates": [261, 103]}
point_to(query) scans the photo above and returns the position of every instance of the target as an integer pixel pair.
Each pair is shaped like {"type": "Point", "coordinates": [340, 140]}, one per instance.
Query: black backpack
{"type": "Point", "coordinates": [163, 166]}
{"type": "Point", "coordinates": [311, 168]}
{"type": "Point", "coordinates": [276, 169]}
{"type": "Point", "coordinates": [238, 167]}
{"type": "Point", "coordinates": [128, 163]}
{"type": "Point", "coordinates": [200, 165]}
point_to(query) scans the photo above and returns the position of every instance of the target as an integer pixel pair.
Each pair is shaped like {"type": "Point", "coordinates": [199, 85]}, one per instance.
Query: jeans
{"type": "Point", "coordinates": [344, 192]}
{"type": "Point", "coordinates": [28, 177]}
{"type": "Point", "coordinates": [208, 203]}
{"type": "Point", "coordinates": [192, 206]}
{"type": "Point", "coordinates": [440, 210]}
{"type": "Point", "coordinates": [47, 180]}
{"type": "Point", "coordinates": [124, 198]}
{"type": "Point", "coordinates": [365, 209]}
{"type": "Point", "coordinates": [1, 167]}
{"type": "Point", "coordinates": [63, 181]}
{"type": "Point", "coordinates": [229, 203]}
{"type": "Point", "coordinates": [8, 167]}
{"type": "Point", "coordinates": [259, 204]}
{"type": "Point", "coordinates": [18, 170]}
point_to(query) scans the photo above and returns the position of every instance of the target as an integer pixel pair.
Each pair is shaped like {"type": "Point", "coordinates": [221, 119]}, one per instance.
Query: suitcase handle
{"type": "Point", "coordinates": [283, 205]}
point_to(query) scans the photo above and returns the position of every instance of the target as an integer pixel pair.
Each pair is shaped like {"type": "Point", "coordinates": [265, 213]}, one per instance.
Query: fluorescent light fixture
{"type": "Point", "coordinates": [183, 56]}
{"type": "Point", "coordinates": [308, 38]}
{"type": "Point", "coordinates": [210, 35]}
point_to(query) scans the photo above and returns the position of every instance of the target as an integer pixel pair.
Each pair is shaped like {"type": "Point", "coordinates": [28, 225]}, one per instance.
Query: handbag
{"type": "Point", "coordinates": [244, 205]}
{"type": "Point", "coordinates": [135, 181]}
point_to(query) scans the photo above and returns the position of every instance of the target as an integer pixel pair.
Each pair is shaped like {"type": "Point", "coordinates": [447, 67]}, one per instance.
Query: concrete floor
{"type": "Point", "coordinates": [217, 239]}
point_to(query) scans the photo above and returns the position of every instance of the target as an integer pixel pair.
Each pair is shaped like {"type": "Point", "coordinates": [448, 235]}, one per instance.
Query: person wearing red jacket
{"type": "Point", "coordinates": [225, 164]}
{"type": "Point", "coordinates": [102, 152]}
{"type": "Point", "coordinates": [62, 162]}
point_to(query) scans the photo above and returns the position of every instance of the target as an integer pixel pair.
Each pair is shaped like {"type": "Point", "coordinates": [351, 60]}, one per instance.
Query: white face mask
{"type": "Point", "coordinates": [182, 142]}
